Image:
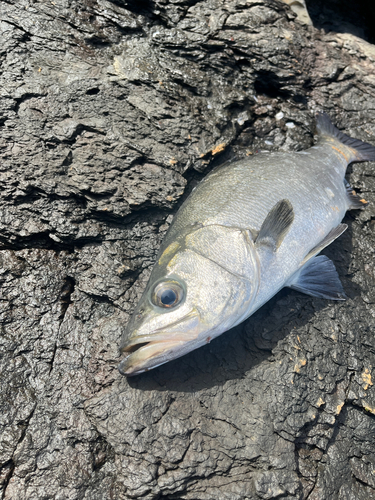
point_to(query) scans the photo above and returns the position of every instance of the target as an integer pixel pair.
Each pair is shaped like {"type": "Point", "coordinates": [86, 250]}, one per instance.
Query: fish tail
{"type": "Point", "coordinates": [360, 151]}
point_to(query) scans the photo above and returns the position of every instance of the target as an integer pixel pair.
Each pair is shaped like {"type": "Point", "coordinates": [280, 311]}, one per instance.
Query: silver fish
{"type": "Point", "coordinates": [250, 228]}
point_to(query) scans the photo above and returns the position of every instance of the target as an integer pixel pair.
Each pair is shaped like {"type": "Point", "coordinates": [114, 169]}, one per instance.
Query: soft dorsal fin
{"type": "Point", "coordinates": [276, 225]}
{"type": "Point", "coordinates": [355, 201]}
{"type": "Point", "coordinates": [331, 236]}
{"type": "Point", "coordinates": [318, 278]}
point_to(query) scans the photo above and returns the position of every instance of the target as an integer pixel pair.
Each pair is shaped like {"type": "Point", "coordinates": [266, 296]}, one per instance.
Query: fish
{"type": "Point", "coordinates": [250, 228]}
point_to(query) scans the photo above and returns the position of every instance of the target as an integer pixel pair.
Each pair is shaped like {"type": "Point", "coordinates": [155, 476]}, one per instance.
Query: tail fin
{"type": "Point", "coordinates": [362, 150]}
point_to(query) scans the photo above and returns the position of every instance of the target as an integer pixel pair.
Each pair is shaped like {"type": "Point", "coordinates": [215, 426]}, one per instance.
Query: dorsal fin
{"type": "Point", "coordinates": [355, 201]}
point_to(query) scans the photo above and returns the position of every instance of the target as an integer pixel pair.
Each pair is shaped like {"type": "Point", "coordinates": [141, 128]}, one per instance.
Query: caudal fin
{"type": "Point", "coordinates": [362, 150]}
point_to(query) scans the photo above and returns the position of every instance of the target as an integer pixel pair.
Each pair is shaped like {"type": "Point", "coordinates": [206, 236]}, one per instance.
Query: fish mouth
{"type": "Point", "coordinates": [144, 352]}
{"type": "Point", "coordinates": [142, 356]}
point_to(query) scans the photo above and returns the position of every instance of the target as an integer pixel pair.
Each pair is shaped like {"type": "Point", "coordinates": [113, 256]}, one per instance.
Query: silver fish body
{"type": "Point", "coordinates": [248, 229]}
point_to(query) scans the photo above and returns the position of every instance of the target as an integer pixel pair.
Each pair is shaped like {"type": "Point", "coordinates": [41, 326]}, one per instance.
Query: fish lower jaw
{"type": "Point", "coordinates": [131, 371]}
{"type": "Point", "coordinates": [145, 356]}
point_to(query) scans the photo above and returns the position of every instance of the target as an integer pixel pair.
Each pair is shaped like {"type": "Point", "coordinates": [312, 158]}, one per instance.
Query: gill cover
{"type": "Point", "coordinates": [202, 282]}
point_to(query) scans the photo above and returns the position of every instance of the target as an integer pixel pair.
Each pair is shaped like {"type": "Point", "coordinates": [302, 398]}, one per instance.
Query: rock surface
{"type": "Point", "coordinates": [111, 111]}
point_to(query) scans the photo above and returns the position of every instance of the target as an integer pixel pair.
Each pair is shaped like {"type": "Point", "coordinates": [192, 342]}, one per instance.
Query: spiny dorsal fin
{"type": "Point", "coordinates": [318, 278]}
{"type": "Point", "coordinates": [355, 201]}
{"type": "Point", "coordinates": [276, 225]}
{"type": "Point", "coordinates": [331, 236]}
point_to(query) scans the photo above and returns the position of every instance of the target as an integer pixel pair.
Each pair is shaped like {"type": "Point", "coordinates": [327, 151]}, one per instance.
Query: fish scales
{"type": "Point", "coordinates": [247, 230]}
{"type": "Point", "coordinates": [256, 193]}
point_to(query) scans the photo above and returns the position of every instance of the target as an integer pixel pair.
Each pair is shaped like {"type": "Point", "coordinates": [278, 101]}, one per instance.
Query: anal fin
{"type": "Point", "coordinates": [318, 278]}
{"type": "Point", "coordinates": [355, 201]}
{"type": "Point", "coordinates": [331, 236]}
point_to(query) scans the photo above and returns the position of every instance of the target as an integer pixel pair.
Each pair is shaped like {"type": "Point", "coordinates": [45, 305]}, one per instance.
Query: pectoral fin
{"type": "Point", "coordinates": [276, 225]}
{"type": "Point", "coordinates": [319, 278]}
{"type": "Point", "coordinates": [331, 236]}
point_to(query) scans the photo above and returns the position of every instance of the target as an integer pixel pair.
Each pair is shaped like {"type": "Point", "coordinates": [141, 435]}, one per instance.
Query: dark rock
{"type": "Point", "coordinates": [110, 113]}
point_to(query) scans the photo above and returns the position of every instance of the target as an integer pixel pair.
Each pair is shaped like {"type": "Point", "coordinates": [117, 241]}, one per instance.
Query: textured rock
{"type": "Point", "coordinates": [110, 114]}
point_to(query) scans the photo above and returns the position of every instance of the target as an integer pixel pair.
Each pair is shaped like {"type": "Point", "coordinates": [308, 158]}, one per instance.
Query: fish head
{"type": "Point", "coordinates": [191, 297]}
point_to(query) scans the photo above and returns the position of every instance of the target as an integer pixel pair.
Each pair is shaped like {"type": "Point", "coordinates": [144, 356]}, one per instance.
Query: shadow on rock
{"type": "Point", "coordinates": [356, 18]}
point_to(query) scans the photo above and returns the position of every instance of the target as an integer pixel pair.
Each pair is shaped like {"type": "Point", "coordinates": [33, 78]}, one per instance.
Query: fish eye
{"type": "Point", "coordinates": [167, 294]}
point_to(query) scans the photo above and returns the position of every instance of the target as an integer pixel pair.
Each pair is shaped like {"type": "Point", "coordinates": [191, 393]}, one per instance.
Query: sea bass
{"type": "Point", "coordinates": [250, 228]}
